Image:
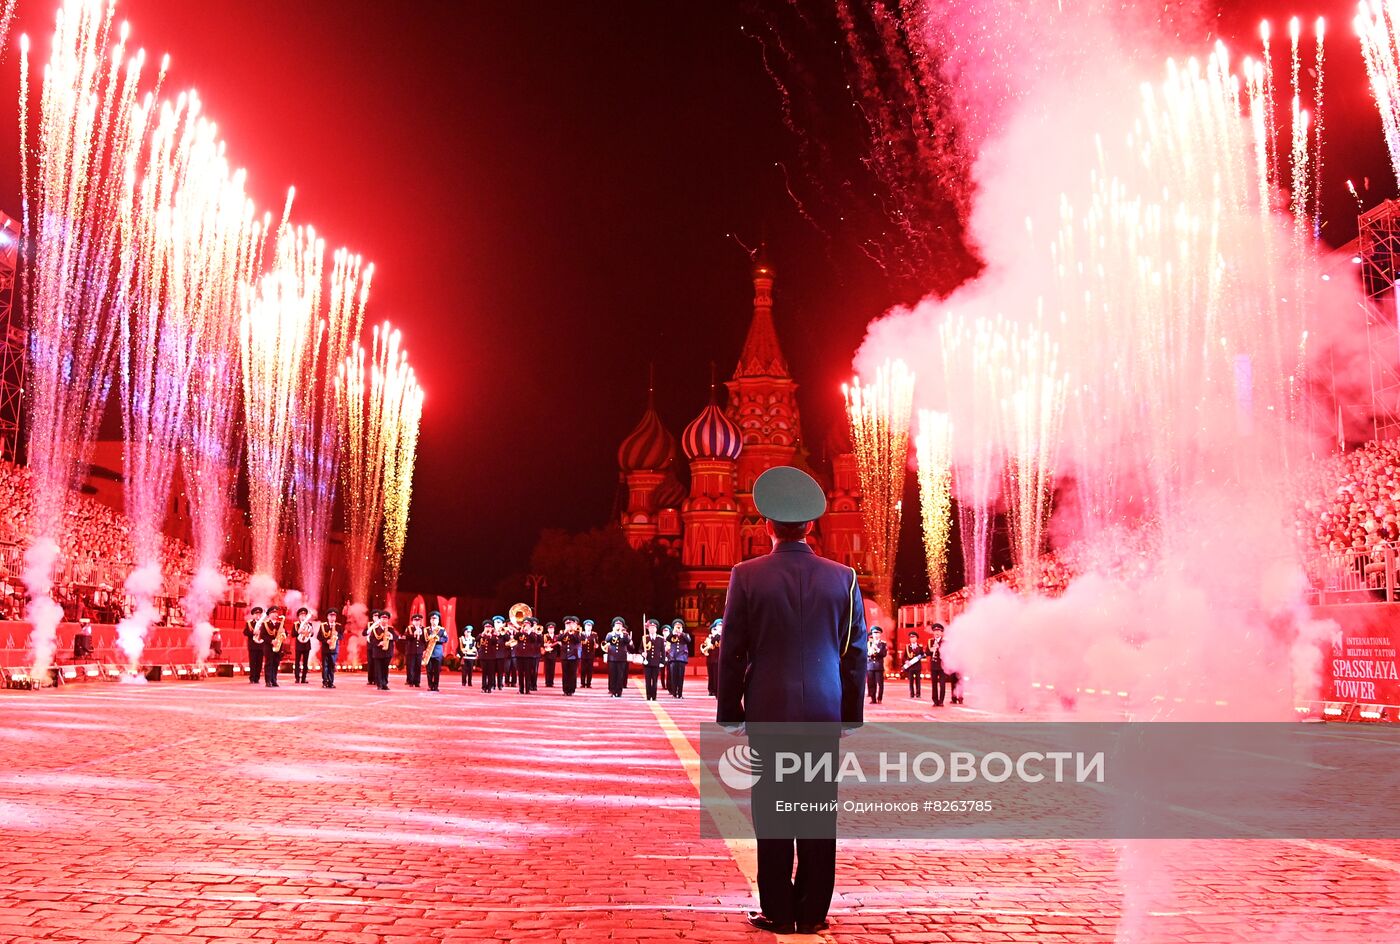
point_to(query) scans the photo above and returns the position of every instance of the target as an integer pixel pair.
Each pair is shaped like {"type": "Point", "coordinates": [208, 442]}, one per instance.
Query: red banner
{"type": "Point", "coordinates": [1363, 666]}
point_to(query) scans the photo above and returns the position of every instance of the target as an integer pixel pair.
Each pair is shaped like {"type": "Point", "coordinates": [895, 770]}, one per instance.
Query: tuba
{"type": "Point", "coordinates": [519, 612]}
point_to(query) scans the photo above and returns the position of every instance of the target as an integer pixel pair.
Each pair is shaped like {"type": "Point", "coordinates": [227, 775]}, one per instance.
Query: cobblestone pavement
{"type": "Point", "coordinates": [195, 812]}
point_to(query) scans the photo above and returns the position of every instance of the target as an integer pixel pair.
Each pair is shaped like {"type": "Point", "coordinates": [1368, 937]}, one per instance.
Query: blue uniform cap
{"type": "Point", "coordinates": [788, 496]}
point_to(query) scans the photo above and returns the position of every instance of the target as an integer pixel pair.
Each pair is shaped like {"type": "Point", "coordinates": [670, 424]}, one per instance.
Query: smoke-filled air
{"type": "Point", "coordinates": [1131, 379]}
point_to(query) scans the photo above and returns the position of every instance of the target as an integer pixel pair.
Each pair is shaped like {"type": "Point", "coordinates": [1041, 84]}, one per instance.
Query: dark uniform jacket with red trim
{"type": "Point", "coordinates": [793, 647]}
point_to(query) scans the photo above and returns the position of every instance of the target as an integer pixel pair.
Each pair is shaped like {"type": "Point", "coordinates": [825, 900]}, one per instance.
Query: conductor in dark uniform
{"type": "Point", "coordinates": [570, 651]}
{"type": "Point", "coordinates": [793, 650]}
{"type": "Point", "coordinates": [588, 651]}
{"type": "Point", "coordinates": [875, 667]}
{"type": "Point", "coordinates": [616, 646]}
{"type": "Point", "coordinates": [677, 656]}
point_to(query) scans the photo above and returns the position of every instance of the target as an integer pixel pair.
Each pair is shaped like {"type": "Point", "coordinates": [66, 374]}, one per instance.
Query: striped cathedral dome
{"type": "Point", "coordinates": [648, 448]}
{"type": "Point", "coordinates": [712, 435]}
{"type": "Point", "coordinates": [670, 493]}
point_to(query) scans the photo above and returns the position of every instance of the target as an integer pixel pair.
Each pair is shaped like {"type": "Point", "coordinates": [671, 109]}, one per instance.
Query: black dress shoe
{"type": "Point", "coordinates": [761, 921]}
{"type": "Point", "coordinates": [817, 928]}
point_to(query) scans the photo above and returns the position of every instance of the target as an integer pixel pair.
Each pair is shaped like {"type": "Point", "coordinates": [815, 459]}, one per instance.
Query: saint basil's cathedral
{"type": "Point", "coordinates": [713, 524]}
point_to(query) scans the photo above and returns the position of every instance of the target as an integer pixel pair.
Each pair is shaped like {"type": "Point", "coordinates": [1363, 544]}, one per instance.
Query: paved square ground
{"type": "Point", "coordinates": [194, 812]}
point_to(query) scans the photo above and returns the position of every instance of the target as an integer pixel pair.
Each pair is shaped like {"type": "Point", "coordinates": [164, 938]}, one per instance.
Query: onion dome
{"type": "Point", "coordinates": [650, 447]}
{"type": "Point", "coordinates": [712, 435]}
{"type": "Point", "coordinates": [669, 494]}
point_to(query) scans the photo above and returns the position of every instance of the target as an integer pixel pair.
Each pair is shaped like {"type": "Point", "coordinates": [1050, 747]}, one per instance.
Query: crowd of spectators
{"type": "Point", "coordinates": [95, 557]}
{"type": "Point", "coordinates": [1348, 518]}
{"type": "Point", "coordinates": [1351, 501]}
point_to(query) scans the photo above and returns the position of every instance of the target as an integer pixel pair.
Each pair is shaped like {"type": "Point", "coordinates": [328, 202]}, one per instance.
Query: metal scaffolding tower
{"type": "Point", "coordinates": [1378, 246]}
{"type": "Point", "coordinates": [12, 341]}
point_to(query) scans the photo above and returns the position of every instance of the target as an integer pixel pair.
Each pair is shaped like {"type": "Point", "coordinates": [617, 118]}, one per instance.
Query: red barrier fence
{"type": "Point", "coordinates": [164, 644]}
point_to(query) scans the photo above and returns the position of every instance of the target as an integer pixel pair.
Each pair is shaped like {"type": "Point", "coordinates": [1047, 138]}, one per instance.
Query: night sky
{"type": "Point", "coordinates": [547, 190]}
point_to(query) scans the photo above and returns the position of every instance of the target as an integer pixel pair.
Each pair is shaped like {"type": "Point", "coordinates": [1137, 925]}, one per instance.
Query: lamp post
{"type": "Point", "coordinates": [534, 582]}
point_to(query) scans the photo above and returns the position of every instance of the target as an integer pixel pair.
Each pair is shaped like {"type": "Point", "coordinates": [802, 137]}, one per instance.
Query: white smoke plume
{"type": "Point", "coordinates": [143, 584]}
{"type": "Point", "coordinates": [356, 618]}
{"type": "Point", "coordinates": [206, 590]}
{"type": "Point", "coordinates": [40, 559]}
{"type": "Point", "coordinates": [262, 589]}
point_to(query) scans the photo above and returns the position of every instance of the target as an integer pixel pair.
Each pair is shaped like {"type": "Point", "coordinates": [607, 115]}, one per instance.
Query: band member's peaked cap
{"type": "Point", "coordinates": [788, 496]}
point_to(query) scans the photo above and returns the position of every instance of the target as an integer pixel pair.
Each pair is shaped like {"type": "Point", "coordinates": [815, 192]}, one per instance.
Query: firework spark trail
{"type": "Point", "coordinates": [7, 16]}
{"type": "Point", "coordinates": [1320, 29]}
{"type": "Point", "coordinates": [934, 448]}
{"type": "Point", "coordinates": [1143, 273]}
{"type": "Point", "coordinates": [1033, 391]}
{"type": "Point", "coordinates": [89, 129]}
{"type": "Point", "coordinates": [1376, 27]}
{"type": "Point", "coordinates": [319, 442]}
{"type": "Point", "coordinates": [187, 204]}
{"type": "Point", "coordinates": [277, 327]}
{"type": "Point", "coordinates": [368, 428]}
{"type": "Point", "coordinates": [211, 457]}
{"type": "Point", "coordinates": [879, 415]}
{"type": "Point", "coordinates": [398, 474]}
{"type": "Point", "coordinates": [972, 352]}
{"type": "Point", "coordinates": [904, 199]}
{"type": "Point", "coordinates": [1270, 114]}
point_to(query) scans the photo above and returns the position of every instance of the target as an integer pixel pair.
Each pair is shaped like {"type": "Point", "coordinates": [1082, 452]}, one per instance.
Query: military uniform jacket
{"type": "Point", "coordinates": [486, 645]}
{"type": "Point", "coordinates": [305, 633]}
{"type": "Point", "coordinates": [793, 647]}
{"type": "Point", "coordinates": [436, 647]}
{"type": "Point", "coordinates": [324, 633]}
{"type": "Point", "coordinates": [617, 644]}
{"type": "Point", "coordinates": [911, 652]}
{"type": "Point", "coordinates": [654, 649]}
{"type": "Point", "coordinates": [570, 646]}
{"type": "Point", "coordinates": [374, 643]}
{"type": "Point", "coordinates": [588, 643]}
{"type": "Point", "coordinates": [468, 645]}
{"type": "Point", "coordinates": [678, 647]}
{"type": "Point", "coordinates": [529, 646]}
{"type": "Point", "coordinates": [415, 638]}
{"type": "Point", "coordinates": [270, 639]}
{"type": "Point", "coordinates": [876, 657]}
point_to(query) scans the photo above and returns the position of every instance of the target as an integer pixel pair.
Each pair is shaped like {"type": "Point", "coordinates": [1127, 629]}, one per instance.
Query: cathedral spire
{"type": "Point", "coordinates": [762, 356]}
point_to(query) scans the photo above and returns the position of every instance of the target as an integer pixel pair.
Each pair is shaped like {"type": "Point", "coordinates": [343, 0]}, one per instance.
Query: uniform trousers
{"type": "Point", "coordinates": [617, 677]}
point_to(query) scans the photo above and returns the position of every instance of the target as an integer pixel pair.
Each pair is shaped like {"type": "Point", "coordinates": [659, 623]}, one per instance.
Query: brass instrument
{"type": "Point", "coordinates": [383, 638]}
{"type": "Point", "coordinates": [519, 612]}
{"type": "Point", "coordinates": [434, 634]}
{"type": "Point", "coordinates": [280, 637]}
